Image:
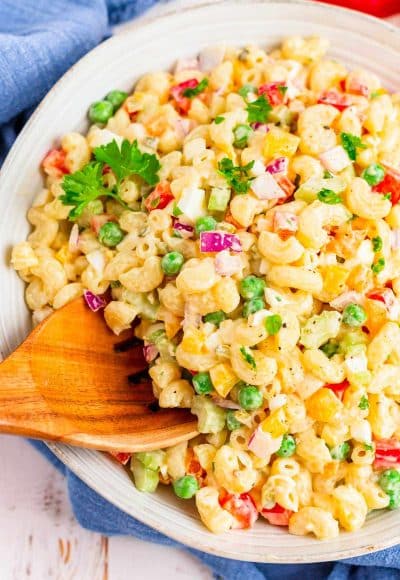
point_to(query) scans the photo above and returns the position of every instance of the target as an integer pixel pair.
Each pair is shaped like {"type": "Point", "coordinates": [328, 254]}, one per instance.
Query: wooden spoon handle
{"type": "Point", "coordinates": [22, 412]}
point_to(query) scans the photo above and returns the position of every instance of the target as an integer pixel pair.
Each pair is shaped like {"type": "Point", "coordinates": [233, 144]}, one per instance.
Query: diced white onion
{"type": "Point", "coordinates": [193, 203]}
{"type": "Point", "coordinates": [277, 401]}
{"type": "Point", "coordinates": [227, 265]}
{"type": "Point", "coordinates": [99, 137]}
{"type": "Point", "coordinates": [257, 169]}
{"type": "Point", "coordinates": [341, 301]}
{"type": "Point", "coordinates": [73, 239]}
{"type": "Point", "coordinates": [335, 159]}
{"type": "Point", "coordinates": [265, 187]}
{"type": "Point", "coordinates": [357, 363]}
{"type": "Point", "coordinates": [262, 444]}
{"type": "Point", "coordinates": [97, 260]}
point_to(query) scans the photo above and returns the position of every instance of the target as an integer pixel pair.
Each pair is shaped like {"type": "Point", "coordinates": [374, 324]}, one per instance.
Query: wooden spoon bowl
{"type": "Point", "coordinates": [73, 381]}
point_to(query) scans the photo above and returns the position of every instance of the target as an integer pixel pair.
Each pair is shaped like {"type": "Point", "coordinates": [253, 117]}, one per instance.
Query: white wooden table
{"type": "Point", "coordinates": [39, 536]}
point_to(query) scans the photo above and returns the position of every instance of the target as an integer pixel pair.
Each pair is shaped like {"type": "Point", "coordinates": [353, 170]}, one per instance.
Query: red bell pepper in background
{"type": "Point", "coordinates": [387, 453]}
{"type": "Point", "coordinates": [277, 516]}
{"type": "Point", "coordinates": [54, 163]}
{"type": "Point", "coordinates": [242, 507]}
{"type": "Point", "coordinates": [390, 184]}
{"type": "Point", "coordinates": [338, 388]}
{"type": "Point", "coordinates": [382, 8]}
{"type": "Point", "coordinates": [121, 457]}
{"type": "Point", "coordinates": [274, 92]}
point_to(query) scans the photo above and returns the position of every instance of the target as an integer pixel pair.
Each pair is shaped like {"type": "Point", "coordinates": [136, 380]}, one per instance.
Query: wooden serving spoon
{"type": "Point", "coordinates": [73, 381]}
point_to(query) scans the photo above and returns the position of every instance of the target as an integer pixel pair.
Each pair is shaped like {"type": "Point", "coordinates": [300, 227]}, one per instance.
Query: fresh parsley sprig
{"type": "Point", "coordinates": [248, 357]}
{"type": "Point", "coordinates": [190, 93]}
{"type": "Point", "coordinates": [237, 176]}
{"type": "Point", "coordinates": [87, 184]}
{"type": "Point", "coordinates": [129, 160]}
{"type": "Point", "coordinates": [258, 111]}
{"type": "Point", "coordinates": [351, 143]}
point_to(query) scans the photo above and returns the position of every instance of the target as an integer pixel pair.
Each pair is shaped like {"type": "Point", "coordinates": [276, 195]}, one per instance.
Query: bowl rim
{"type": "Point", "coordinates": [63, 452]}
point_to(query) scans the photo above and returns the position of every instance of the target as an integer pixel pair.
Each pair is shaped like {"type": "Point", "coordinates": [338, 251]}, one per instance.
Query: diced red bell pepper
{"type": "Point", "coordinates": [277, 516]}
{"type": "Point", "coordinates": [121, 457]}
{"type": "Point", "coordinates": [338, 388]}
{"type": "Point", "coordinates": [387, 453]}
{"type": "Point", "coordinates": [160, 197]}
{"type": "Point", "coordinates": [177, 94]}
{"type": "Point", "coordinates": [338, 100]}
{"type": "Point", "coordinates": [384, 295]}
{"type": "Point", "coordinates": [390, 184]}
{"type": "Point", "coordinates": [274, 92]}
{"type": "Point", "coordinates": [193, 466]}
{"type": "Point", "coordinates": [288, 187]}
{"type": "Point", "coordinates": [54, 163]}
{"type": "Point", "coordinates": [242, 507]}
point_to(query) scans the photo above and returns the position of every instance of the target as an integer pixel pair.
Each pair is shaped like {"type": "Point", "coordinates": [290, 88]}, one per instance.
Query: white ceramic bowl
{"type": "Point", "coordinates": [356, 39]}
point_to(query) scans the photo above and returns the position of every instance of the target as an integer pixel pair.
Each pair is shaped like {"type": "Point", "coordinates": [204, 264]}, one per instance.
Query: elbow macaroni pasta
{"type": "Point", "coordinates": [281, 334]}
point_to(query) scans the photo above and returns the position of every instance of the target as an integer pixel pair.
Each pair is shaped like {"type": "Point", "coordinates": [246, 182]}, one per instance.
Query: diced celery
{"type": "Point", "coordinates": [145, 307]}
{"type": "Point", "coordinates": [151, 459]}
{"type": "Point", "coordinates": [309, 190]}
{"type": "Point", "coordinates": [145, 479]}
{"type": "Point", "coordinates": [320, 328]}
{"type": "Point", "coordinates": [219, 199]}
{"type": "Point", "coordinates": [360, 380]}
{"type": "Point", "coordinates": [282, 115]}
{"type": "Point", "coordinates": [353, 342]}
{"type": "Point", "coordinates": [211, 419]}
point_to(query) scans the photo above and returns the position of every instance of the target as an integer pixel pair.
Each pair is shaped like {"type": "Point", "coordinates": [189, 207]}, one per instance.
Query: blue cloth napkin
{"type": "Point", "coordinates": [39, 41]}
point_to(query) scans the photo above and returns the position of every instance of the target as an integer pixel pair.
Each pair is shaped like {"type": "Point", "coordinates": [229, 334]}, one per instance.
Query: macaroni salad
{"type": "Point", "coordinates": [245, 210]}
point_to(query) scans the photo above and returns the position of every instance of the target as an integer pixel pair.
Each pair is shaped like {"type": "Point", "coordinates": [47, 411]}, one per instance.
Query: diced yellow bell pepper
{"type": "Point", "coordinates": [334, 277]}
{"type": "Point", "coordinates": [276, 424]}
{"type": "Point", "coordinates": [279, 143]}
{"type": "Point", "coordinates": [193, 341]}
{"type": "Point", "coordinates": [223, 378]}
{"type": "Point", "coordinates": [323, 405]}
{"type": "Point", "coordinates": [63, 255]}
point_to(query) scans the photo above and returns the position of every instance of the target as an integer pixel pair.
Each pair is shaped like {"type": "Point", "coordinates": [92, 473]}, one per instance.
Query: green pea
{"type": "Point", "coordinates": [250, 398]}
{"type": "Point", "coordinates": [110, 234]}
{"type": "Point", "coordinates": [116, 98]}
{"type": "Point", "coordinates": [377, 244]}
{"type": "Point", "coordinates": [340, 452]}
{"type": "Point", "coordinates": [273, 324]}
{"type": "Point", "coordinates": [394, 502]}
{"type": "Point", "coordinates": [252, 287]}
{"type": "Point", "coordinates": [378, 266]}
{"type": "Point", "coordinates": [288, 446]}
{"type": "Point", "coordinates": [231, 422]}
{"type": "Point", "coordinates": [354, 315]}
{"type": "Point", "coordinates": [215, 317]}
{"type": "Point", "coordinates": [241, 135]}
{"type": "Point", "coordinates": [100, 112]}
{"type": "Point", "coordinates": [185, 487]}
{"type": "Point", "coordinates": [205, 224]}
{"type": "Point", "coordinates": [202, 383]}
{"type": "Point", "coordinates": [389, 480]}
{"type": "Point", "coordinates": [373, 174]}
{"type": "Point", "coordinates": [251, 306]}
{"type": "Point", "coordinates": [172, 262]}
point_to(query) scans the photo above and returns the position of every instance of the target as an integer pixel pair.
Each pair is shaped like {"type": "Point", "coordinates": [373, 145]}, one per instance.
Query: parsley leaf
{"type": "Point", "coordinates": [127, 159]}
{"type": "Point", "coordinates": [190, 93]}
{"type": "Point", "coordinates": [364, 403]}
{"type": "Point", "coordinates": [329, 196]}
{"type": "Point", "coordinates": [258, 111]}
{"type": "Point", "coordinates": [282, 89]}
{"type": "Point", "coordinates": [82, 187]}
{"type": "Point", "coordinates": [351, 143]}
{"type": "Point", "coordinates": [237, 176]}
{"type": "Point", "coordinates": [219, 120]}
{"type": "Point", "coordinates": [368, 447]}
{"type": "Point", "coordinates": [247, 357]}
{"type": "Point", "coordinates": [246, 89]}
